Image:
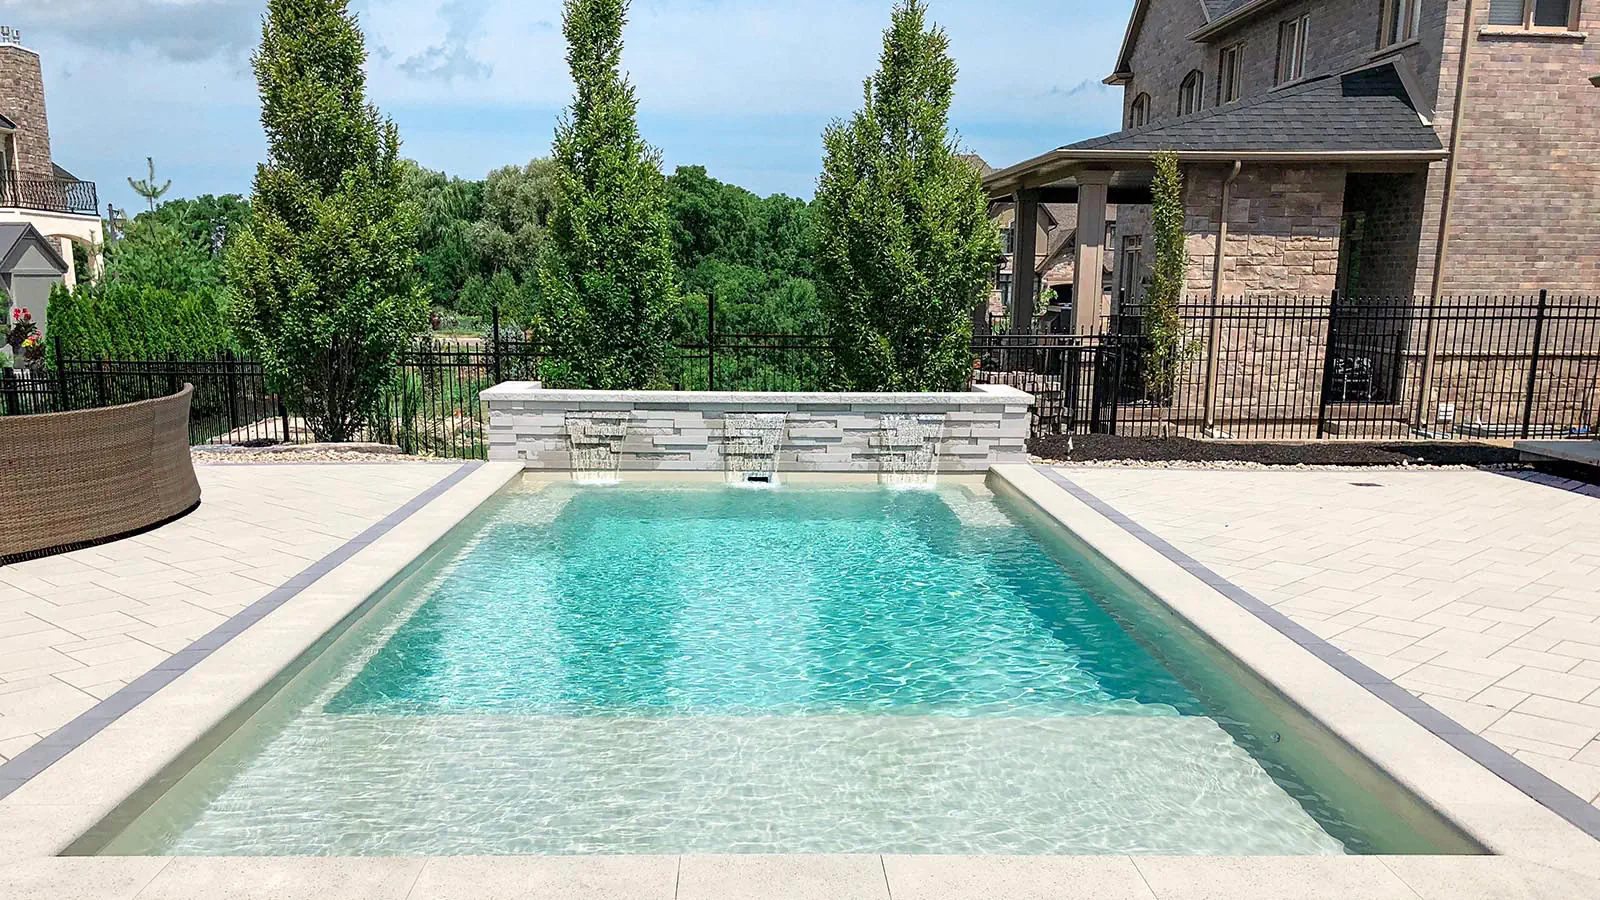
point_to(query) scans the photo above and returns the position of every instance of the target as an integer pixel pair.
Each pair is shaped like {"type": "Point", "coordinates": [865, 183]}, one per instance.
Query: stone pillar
{"type": "Point", "coordinates": [1023, 258]}
{"type": "Point", "coordinates": [1088, 260]}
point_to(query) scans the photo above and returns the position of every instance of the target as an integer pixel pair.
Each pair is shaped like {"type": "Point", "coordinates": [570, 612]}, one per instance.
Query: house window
{"type": "Point", "coordinates": [1190, 92]}
{"type": "Point", "coordinates": [1401, 20]}
{"type": "Point", "coordinates": [1292, 49]}
{"type": "Point", "coordinates": [1230, 74]}
{"type": "Point", "coordinates": [1535, 15]}
{"type": "Point", "coordinates": [1003, 285]}
{"type": "Point", "coordinates": [1139, 112]}
{"type": "Point", "coordinates": [1008, 237]}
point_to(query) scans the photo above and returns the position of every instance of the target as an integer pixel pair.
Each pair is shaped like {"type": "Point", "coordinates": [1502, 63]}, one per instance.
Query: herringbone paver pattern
{"type": "Point", "coordinates": [1478, 592]}
{"type": "Point", "coordinates": [76, 627]}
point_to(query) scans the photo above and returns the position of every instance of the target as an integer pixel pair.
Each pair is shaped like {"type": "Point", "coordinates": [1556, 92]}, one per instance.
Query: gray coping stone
{"type": "Point", "coordinates": [35, 759]}
{"type": "Point", "coordinates": [1513, 771]}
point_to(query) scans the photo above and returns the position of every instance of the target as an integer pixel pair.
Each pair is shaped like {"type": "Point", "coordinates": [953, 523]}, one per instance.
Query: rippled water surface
{"type": "Point", "coordinates": [654, 670]}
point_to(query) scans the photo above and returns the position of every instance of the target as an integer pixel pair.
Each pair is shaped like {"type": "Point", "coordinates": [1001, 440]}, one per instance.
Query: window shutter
{"type": "Point", "coordinates": [1505, 12]}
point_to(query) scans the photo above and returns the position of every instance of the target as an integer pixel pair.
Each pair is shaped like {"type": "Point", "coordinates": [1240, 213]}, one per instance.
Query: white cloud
{"type": "Point", "coordinates": [743, 86]}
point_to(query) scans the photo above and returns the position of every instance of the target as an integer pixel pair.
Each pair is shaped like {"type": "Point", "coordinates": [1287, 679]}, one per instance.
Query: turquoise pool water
{"type": "Point", "coordinates": [662, 670]}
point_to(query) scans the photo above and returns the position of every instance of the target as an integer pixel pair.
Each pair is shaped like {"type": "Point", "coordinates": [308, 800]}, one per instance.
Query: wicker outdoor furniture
{"type": "Point", "coordinates": [77, 478]}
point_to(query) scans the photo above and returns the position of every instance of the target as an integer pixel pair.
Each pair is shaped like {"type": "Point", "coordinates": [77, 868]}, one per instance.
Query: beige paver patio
{"type": "Point", "coordinates": [76, 627]}
{"type": "Point", "coordinates": [1477, 592]}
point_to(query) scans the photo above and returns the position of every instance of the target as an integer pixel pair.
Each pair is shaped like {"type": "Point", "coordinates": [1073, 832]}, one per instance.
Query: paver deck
{"type": "Point", "coordinates": [1477, 592]}
{"type": "Point", "coordinates": [76, 627]}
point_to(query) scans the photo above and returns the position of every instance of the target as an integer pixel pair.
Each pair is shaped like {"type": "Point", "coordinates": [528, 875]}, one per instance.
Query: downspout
{"type": "Point", "coordinates": [1214, 338]}
{"type": "Point", "coordinates": [1458, 124]}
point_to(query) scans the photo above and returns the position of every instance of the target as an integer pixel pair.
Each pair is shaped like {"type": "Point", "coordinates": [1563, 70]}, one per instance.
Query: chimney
{"type": "Point", "coordinates": [22, 101]}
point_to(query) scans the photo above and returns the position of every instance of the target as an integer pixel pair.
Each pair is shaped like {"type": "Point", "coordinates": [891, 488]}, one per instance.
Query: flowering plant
{"type": "Point", "coordinates": [23, 338]}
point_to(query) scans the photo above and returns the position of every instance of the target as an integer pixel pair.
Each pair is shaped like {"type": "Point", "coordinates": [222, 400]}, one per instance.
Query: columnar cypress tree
{"type": "Point", "coordinates": [1168, 348]}
{"type": "Point", "coordinates": [324, 277]}
{"type": "Point", "coordinates": [905, 246]}
{"type": "Point", "coordinates": [606, 275]}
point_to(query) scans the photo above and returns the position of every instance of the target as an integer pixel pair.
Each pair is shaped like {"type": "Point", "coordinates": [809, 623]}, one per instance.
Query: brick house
{"type": "Point", "coordinates": [34, 190]}
{"type": "Point", "coordinates": [1319, 147]}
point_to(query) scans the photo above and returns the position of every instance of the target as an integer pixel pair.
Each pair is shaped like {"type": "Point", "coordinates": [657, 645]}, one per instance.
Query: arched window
{"type": "Point", "coordinates": [1139, 112]}
{"type": "Point", "coordinates": [1190, 92]}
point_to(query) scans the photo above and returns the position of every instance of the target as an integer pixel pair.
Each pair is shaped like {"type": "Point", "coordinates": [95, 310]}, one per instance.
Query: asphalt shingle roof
{"type": "Point", "coordinates": [1364, 110]}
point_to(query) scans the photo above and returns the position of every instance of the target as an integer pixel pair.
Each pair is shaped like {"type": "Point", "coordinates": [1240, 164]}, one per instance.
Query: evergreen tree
{"type": "Point", "coordinates": [324, 276]}
{"type": "Point", "coordinates": [608, 289]}
{"type": "Point", "coordinates": [905, 249]}
{"type": "Point", "coordinates": [1167, 346]}
{"type": "Point", "coordinates": [147, 187]}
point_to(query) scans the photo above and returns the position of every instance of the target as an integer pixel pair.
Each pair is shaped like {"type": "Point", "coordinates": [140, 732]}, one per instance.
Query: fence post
{"type": "Point", "coordinates": [711, 340]}
{"type": "Point", "coordinates": [8, 389]}
{"type": "Point", "coordinates": [230, 370]}
{"type": "Point", "coordinates": [100, 383]}
{"type": "Point", "coordinates": [1533, 366]}
{"type": "Point", "coordinates": [494, 317]}
{"type": "Point", "coordinates": [283, 416]}
{"type": "Point", "coordinates": [1327, 368]}
{"type": "Point", "coordinates": [172, 374]}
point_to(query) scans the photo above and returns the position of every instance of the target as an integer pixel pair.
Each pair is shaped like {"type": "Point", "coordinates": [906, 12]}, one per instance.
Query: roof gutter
{"type": "Point", "coordinates": [1006, 180]}
{"type": "Point", "coordinates": [1223, 23]}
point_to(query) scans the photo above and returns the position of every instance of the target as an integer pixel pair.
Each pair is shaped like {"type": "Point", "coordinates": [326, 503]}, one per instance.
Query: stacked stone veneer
{"type": "Point", "coordinates": [685, 431]}
{"type": "Point", "coordinates": [22, 101]}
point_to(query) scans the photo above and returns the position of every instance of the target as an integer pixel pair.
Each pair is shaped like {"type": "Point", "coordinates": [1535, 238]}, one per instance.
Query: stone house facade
{"type": "Point", "coordinates": [1322, 154]}
{"type": "Point", "coordinates": [34, 190]}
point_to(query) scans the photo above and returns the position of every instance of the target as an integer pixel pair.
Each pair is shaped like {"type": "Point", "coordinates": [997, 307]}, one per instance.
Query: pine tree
{"type": "Point", "coordinates": [905, 247]}
{"type": "Point", "coordinates": [146, 187]}
{"type": "Point", "coordinates": [607, 282]}
{"type": "Point", "coordinates": [323, 278]}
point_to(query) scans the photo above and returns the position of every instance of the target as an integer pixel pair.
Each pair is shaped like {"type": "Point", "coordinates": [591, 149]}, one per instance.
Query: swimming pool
{"type": "Point", "coordinates": [673, 669]}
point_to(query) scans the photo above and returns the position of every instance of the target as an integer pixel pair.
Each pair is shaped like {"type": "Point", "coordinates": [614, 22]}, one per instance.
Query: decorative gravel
{"type": "Point", "coordinates": [1186, 452]}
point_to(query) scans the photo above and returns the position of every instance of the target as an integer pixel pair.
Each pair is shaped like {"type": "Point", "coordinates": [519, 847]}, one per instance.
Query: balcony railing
{"type": "Point", "coordinates": [49, 194]}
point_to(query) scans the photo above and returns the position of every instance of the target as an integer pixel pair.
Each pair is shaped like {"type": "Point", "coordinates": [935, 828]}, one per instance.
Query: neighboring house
{"type": "Point", "coordinates": [30, 266]}
{"type": "Point", "coordinates": [1055, 234]}
{"type": "Point", "coordinates": [1319, 133]}
{"type": "Point", "coordinates": [33, 189]}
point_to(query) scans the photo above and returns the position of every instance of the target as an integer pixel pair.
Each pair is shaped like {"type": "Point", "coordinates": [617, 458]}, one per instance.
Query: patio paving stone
{"type": "Point", "coordinates": [76, 627]}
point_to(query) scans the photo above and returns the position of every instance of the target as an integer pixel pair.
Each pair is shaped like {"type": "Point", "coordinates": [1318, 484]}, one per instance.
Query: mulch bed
{"type": "Point", "coordinates": [1105, 447]}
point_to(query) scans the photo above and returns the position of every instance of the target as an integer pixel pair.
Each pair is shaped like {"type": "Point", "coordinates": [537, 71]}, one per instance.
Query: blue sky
{"type": "Point", "coordinates": [743, 88]}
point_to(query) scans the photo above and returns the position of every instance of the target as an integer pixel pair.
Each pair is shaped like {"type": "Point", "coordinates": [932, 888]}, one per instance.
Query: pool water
{"type": "Point", "coordinates": [651, 669]}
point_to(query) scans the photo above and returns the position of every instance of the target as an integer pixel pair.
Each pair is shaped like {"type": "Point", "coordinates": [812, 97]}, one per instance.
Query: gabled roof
{"type": "Point", "coordinates": [1123, 71]}
{"type": "Point", "coordinates": [1216, 9]}
{"type": "Point", "coordinates": [1368, 109]}
{"type": "Point", "coordinates": [14, 236]}
{"type": "Point", "coordinates": [6, 123]}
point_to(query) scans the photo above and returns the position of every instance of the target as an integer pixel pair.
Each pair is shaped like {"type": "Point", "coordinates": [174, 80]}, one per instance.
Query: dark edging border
{"type": "Point", "coordinates": [31, 555]}
{"type": "Point", "coordinates": [29, 763]}
{"type": "Point", "coordinates": [1513, 771]}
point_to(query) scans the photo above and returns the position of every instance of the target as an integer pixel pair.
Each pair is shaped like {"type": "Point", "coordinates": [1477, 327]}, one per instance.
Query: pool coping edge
{"type": "Point", "coordinates": [1435, 763]}
{"type": "Point", "coordinates": [71, 779]}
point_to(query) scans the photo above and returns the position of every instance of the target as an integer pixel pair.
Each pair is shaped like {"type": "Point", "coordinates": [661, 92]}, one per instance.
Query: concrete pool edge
{"type": "Point", "coordinates": [29, 870]}
{"type": "Point", "coordinates": [1479, 801]}
{"type": "Point", "coordinates": [88, 772]}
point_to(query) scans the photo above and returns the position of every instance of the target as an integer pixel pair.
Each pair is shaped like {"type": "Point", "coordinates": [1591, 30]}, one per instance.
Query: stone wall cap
{"type": "Point", "coordinates": [980, 395]}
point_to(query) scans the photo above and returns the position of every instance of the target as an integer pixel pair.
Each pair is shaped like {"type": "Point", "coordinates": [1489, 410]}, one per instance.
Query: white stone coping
{"type": "Point", "coordinates": [980, 395]}
{"type": "Point", "coordinates": [1542, 856]}
{"type": "Point", "coordinates": [1497, 815]}
{"type": "Point", "coordinates": [53, 808]}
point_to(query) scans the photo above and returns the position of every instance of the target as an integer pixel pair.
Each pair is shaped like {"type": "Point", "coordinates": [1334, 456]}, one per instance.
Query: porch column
{"type": "Point", "coordinates": [1088, 259]}
{"type": "Point", "coordinates": [70, 278]}
{"type": "Point", "coordinates": [1023, 258]}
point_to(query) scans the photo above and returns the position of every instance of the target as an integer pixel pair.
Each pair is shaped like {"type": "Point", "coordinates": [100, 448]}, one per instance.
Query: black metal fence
{"type": "Point", "coordinates": [1288, 368]}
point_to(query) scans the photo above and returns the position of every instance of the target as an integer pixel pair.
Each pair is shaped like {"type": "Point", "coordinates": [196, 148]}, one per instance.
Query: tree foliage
{"type": "Point", "coordinates": [905, 249]}
{"type": "Point", "coordinates": [324, 278]}
{"type": "Point", "coordinates": [1167, 346]}
{"type": "Point", "coordinates": [607, 285]}
{"type": "Point", "coordinates": [130, 321]}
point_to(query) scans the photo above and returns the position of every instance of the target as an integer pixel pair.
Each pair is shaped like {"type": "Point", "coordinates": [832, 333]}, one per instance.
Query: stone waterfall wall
{"type": "Point", "coordinates": [684, 431]}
